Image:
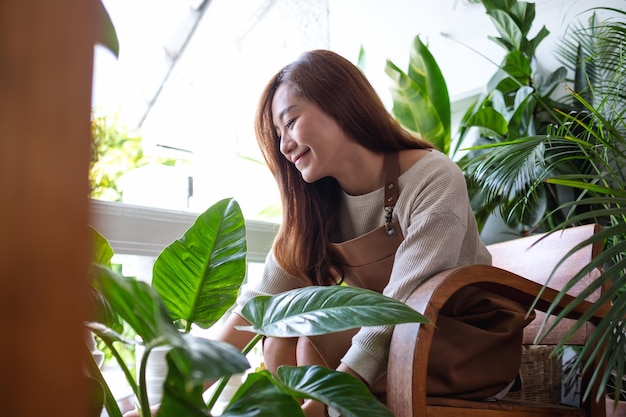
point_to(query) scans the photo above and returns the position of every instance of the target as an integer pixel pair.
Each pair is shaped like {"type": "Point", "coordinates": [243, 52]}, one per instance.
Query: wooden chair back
{"type": "Point", "coordinates": [520, 269]}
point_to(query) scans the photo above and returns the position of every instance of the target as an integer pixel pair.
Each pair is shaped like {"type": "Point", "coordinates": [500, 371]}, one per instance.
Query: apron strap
{"type": "Point", "coordinates": [391, 170]}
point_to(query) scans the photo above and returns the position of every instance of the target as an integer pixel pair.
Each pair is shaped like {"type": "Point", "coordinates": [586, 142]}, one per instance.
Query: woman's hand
{"type": "Point", "coordinates": [314, 409]}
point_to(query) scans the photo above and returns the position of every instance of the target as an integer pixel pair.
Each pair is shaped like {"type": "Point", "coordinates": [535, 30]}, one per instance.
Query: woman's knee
{"type": "Point", "coordinates": [279, 351]}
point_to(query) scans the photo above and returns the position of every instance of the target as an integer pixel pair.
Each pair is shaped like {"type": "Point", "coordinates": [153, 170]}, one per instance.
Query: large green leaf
{"type": "Point", "coordinates": [181, 397]}
{"type": "Point", "coordinates": [523, 13]}
{"type": "Point", "coordinates": [489, 118]}
{"type": "Point", "coordinates": [101, 250]}
{"type": "Point", "coordinates": [198, 276]}
{"type": "Point", "coordinates": [202, 359]}
{"type": "Point", "coordinates": [99, 308]}
{"type": "Point", "coordinates": [425, 71]}
{"type": "Point", "coordinates": [339, 390]}
{"type": "Point", "coordinates": [139, 305]}
{"type": "Point", "coordinates": [420, 98]}
{"type": "Point", "coordinates": [510, 33]}
{"type": "Point", "coordinates": [412, 107]}
{"type": "Point", "coordinates": [318, 310]}
{"type": "Point", "coordinates": [517, 66]}
{"type": "Point", "coordinates": [262, 396]}
{"type": "Point", "coordinates": [189, 368]}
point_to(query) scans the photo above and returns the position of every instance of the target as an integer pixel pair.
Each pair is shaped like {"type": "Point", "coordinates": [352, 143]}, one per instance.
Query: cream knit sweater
{"type": "Point", "coordinates": [440, 233]}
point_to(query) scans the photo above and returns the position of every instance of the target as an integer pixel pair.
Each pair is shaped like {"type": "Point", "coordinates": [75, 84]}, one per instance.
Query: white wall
{"type": "Point", "coordinates": [456, 32]}
{"type": "Point", "coordinates": [207, 105]}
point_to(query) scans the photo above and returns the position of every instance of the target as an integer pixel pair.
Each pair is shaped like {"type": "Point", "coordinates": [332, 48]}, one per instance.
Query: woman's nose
{"type": "Point", "coordinates": [287, 144]}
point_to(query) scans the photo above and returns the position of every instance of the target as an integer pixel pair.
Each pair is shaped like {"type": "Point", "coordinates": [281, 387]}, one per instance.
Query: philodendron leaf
{"type": "Point", "coordinates": [201, 359]}
{"type": "Point", "coordinates": [412, 107]}
{"type": "Point", "coordinates": [190, 367]}
{"type": "Point", "coordinates": [139, 305]}
{"type": "Point", "coordinates": [420, 98]}
{"type": "Point", "coordinates": [180, 396]}
{"type": "Point", "coordinates": [319, 310]}
{"type": "Point", "coordinates": [100, 310]}
{"type": "Point", "coordinates": [337, 389]}
{"type": "Point", "coordinates": [425, 71]}
{"type": "Point", "coordinates": [108, 333]}
{"type": "Point", "coordinates": [101, 250]}
{"type": "Point", "coordinates": [198, 276]}
{"type": "Point", "coordinates": [261, 396]}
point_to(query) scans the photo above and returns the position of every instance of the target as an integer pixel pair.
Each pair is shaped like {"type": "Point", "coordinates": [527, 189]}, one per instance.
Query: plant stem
{"type": "Point", "coordinates": [110, 404]}
{"type": "Point", "coordinates": [144, 405]}
{"type": "Point", "coordinates": [252, 344]}
{"type": "Point", "coordinates": [129, 376]}
{"type": "Point", "coordinates": [224, 380]}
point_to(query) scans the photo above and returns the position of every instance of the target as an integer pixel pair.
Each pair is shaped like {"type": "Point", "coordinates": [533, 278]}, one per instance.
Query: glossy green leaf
{"type": "Point", "coordinates": [202, 359]}
{"type": "Point", "coordinates": [343, 392]}
{"type": "Point", "coordinates": [104, 332]}
{"type": "Point", "coordinates": [507, 27]}
{"type": "Point", "coordinates": [181, 397]}
{"type": "Point", "coordinates": [139, 305]}
{"type": "Point", "coordinates": [262, 396]}
{"type": "Point", "coordinates": [520, 124]}
{"type": "Point", "coordinates": [101, 250]}
{"type": "Point", "coordinates": [517, 66]}
{"type": "Point", "coordinates": [489, 118]}
{"type": "Point", "coordinates": [425, 71]}
{"type": "Point", "coordinates": [412, 107]}
{"type": "Point", "coordinates": [318, 310]}
{"type": "Point", "coordinates": [420, 97]}
{"type": "Point", "coordinates": [198, 276]}
{"type": "Point", "coordinates": [99, 309]}
{"type": "Point", "coordinates": [523, 13]}
{"type": "Point", "coordinates": [189, 368]}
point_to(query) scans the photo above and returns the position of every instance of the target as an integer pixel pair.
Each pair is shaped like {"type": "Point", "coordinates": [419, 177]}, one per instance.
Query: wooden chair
{"type": "Point", "coordinates": [519, 271]}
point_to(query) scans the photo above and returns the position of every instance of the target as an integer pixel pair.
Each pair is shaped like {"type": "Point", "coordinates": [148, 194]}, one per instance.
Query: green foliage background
{"type": "Point", "coordinates": [116, 150]}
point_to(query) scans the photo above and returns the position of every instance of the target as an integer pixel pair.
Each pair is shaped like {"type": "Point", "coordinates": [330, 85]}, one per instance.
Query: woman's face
{"type": "Point", "coordinates": [309, 138]}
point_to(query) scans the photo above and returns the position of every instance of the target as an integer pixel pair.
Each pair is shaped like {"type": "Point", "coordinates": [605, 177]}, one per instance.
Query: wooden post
{"type": "Point", "coordinates": [46, 58]}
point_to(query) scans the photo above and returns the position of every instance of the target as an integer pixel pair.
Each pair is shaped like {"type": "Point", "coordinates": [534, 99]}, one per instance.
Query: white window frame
{"type": "Point", "coordinates": [146, 231]}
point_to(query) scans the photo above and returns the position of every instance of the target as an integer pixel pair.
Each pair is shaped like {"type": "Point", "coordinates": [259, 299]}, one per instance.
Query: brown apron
{"type": "Point", "coordinates": [476, 349]}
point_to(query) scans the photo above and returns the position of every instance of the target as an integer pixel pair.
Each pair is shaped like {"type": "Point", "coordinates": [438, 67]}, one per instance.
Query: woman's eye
{"type": "Point", "coordinates": [290, 123]}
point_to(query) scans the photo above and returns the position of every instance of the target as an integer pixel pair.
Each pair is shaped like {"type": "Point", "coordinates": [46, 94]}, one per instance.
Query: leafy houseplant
{"type": "Point", "coordinates": [196, 279]}
{"type": "Point", "coordinates": [516, 103]}
{"type": "Point", "coordinates": [421, 102]}
{"type": "Point", "coordinates": [532, 148]}
{"type": "Point", "coordinates": [591, 135]}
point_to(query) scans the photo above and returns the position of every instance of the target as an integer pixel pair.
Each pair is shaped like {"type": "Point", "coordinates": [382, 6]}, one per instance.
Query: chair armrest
{"type": "Point", "coordinates": [410, 343]}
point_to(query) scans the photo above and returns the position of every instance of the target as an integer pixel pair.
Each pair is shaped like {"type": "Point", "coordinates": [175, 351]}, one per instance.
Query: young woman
{"type": "Point", "coordinates": [367, 203]}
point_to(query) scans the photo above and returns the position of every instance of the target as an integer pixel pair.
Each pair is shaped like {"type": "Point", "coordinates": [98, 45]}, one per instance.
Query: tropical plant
{"type": "Point", "coordinates": [591, 136]}
{"type": "Point", "coordinates": [517, 103]}
{"type": "Point", "coordinates": [421, 103]}
{"type": "Point", "coordinates": [196, 280]}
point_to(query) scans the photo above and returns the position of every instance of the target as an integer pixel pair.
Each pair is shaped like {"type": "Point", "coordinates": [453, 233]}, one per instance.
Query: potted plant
{"type": "Point", "coordinates": [516, 103]}
{"type": "Point", "coordinates": [582, 151]}
{"type": "Point", "coordinates": [196, 279]}
{"type": "Point", "coordinates": [549, 163]}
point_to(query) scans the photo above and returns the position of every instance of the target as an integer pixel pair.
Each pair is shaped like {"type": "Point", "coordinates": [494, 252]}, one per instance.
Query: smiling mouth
{"type": "Point", "coordinates": [299, 157]}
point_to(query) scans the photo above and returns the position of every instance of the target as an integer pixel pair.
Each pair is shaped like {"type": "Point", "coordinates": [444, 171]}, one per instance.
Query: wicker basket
{"type": "Point", "coordinates": [541, 376]}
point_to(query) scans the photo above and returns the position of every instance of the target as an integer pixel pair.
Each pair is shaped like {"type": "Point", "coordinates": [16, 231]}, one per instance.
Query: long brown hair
{"type": "Point", "coordinates": [310, 211]}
